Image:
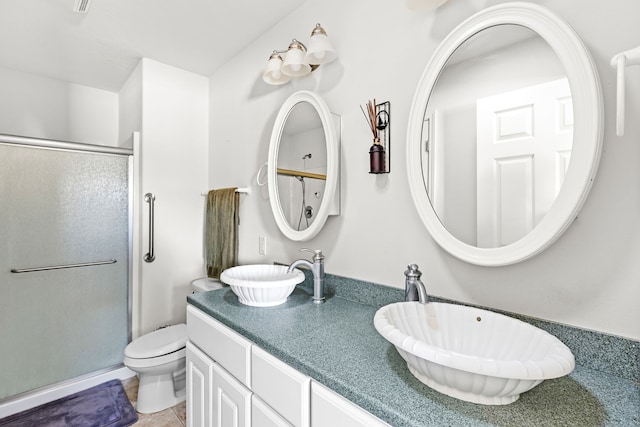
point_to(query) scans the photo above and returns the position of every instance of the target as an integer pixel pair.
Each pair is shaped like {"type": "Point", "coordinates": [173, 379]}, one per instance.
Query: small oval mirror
{"type": "Point", "coordinates": [303, 166]}
{"type": "Point", "coordinates": [504, 135]}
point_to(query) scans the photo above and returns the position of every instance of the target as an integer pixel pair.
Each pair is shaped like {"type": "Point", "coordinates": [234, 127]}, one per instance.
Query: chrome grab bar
{"type": "Point", "coordinates": [58, 267]}
{"type": "Point", "coordinates": [150, 198]}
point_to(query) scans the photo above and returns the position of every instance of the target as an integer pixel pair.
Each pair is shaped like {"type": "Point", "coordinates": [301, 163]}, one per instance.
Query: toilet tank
{"type": "Point", "coordinates": [205, 284]}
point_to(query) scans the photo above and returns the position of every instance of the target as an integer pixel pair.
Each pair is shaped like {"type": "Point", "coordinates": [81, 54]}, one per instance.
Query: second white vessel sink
{"type": "Point", "coordinates": [262, 285]}
{"type": "Point", "coordinates": [472, 354]}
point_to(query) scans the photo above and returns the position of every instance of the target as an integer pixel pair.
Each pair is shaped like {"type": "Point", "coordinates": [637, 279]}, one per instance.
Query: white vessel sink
{"type": "Point", "coordinates": [262, 285]}
{"type": "Point", "coordinates": [472, 354]}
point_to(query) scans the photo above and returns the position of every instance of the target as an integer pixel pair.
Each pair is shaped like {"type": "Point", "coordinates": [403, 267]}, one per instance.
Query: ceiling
{"type": "Point", "coordinates": [101, 48]}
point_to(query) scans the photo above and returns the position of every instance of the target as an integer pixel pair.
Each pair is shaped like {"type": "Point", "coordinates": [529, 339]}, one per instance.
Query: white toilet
{"type": "Point", "coordinates": [159, 360]}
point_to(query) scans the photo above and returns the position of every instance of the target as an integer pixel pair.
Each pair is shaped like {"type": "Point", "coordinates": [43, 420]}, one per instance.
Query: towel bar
{"type": "Point", "coordinates": [58, 267]}
{"type": "Point", "coordinates": [619, 62]}
{"type": "Point", "coordinates": [244, 190]}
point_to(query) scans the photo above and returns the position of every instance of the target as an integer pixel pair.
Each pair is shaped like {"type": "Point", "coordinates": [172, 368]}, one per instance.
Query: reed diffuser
{"type": "Point", "coordinates": [377, 151]}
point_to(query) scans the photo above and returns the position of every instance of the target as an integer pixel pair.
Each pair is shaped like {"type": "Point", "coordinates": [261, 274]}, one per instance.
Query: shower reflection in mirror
{"type": "Point", "coordinates": [302, 167]}
{"type": "Point", "coordinates": [306, 211]}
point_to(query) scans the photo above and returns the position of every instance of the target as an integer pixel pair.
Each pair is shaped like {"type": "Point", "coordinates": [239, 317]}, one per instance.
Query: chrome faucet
{"type": "Point", "coordinates": [317, 267]}
{"type": "Point", "coordinates": [414, 289]}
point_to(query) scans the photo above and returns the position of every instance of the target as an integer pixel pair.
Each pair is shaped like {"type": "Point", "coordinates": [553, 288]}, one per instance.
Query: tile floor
{"type": "Point", "coordinates": [172, 417]}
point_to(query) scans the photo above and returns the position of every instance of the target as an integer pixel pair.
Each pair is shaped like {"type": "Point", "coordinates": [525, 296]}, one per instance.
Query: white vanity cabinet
{"type": "Point", "coordinates": [199, 371]}
{"type": "Point", "coordinates": [218, 374]}
{"type": "Point", "coordinates": [214, 397]}
{"type": "Point", "coordinates": [232, 383]}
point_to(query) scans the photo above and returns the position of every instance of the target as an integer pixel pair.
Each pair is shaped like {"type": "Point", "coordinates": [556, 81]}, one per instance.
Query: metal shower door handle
{"type": "Point", "coordinates": [150, 198]}
{"type": "Point", "coordinates": [60, 267]}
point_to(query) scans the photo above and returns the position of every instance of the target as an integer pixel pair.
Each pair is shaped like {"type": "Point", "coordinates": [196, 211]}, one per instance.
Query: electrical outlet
{"type": "Point", "coordinates": [262, 245]}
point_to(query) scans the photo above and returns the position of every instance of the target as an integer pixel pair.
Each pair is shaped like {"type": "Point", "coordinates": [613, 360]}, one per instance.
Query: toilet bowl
{"type": "Point", "coordinates": [159, 359]}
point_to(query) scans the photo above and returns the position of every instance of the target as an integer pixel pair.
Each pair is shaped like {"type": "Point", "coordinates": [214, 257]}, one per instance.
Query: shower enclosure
{"type": "Point", "coordinates": [65, 233]}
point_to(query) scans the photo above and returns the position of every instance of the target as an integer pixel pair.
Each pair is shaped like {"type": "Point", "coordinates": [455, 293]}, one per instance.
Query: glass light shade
{"type": "Point", "coordinates": [273, 74]}
{"type": "Point", "coordinates": [320, 50]}
{"type": "Point", "coordinates": [294, 63]}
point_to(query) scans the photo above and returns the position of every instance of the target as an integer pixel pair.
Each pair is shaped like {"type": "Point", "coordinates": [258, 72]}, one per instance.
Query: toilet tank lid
{"type": "Point", "coordinates": [158, 343]}
{"type": "Point", "coordinates": [205, 284]}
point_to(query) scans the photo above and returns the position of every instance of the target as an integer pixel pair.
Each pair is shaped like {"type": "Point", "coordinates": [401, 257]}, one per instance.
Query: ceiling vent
{"type": "Point", "coordinates": [82, 6]}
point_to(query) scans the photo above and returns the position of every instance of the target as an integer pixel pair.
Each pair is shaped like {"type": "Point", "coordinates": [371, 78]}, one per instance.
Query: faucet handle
{"type": "Point", "coordinates": [413, 272]}
{"type": "Point", "coordinates": [317, 253]}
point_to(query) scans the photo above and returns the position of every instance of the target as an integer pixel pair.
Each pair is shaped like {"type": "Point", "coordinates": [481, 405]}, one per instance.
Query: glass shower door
{"type": "Point", "coordinates": [61, 208]}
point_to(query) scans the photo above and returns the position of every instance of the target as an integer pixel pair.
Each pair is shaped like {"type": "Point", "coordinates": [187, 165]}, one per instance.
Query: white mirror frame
{"type": "Point", "coordinates": [588, 118]}
{"type": "Point", "coordinates": [333, 162]}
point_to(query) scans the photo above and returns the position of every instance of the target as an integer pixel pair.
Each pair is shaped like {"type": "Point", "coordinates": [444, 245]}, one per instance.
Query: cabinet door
{"type": "Point", "coordinates": [231, 400]}
{"type": "Point", "coordinates": [263, 416]}
{"type": "Point", "coordinates": [329, 409]}
{"type": "Point", "coordinates": [199, 388]}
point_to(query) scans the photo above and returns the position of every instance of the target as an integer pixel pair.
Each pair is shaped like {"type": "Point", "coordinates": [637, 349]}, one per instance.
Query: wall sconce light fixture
{"type": "Point", "coordinates": [299, 60]}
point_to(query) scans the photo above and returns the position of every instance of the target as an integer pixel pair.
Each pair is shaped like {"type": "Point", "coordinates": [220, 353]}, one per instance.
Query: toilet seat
{"type": "Point", "coordinates": [158, 343]}
{"type": "Point", "coordinates": [154, 363]}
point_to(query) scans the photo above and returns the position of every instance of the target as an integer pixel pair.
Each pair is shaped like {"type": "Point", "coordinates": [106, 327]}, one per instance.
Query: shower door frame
{"type": "Point", "coordinates": [38, 396]}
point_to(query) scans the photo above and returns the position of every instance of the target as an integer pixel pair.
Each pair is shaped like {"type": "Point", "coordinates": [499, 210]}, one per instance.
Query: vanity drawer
{"type": "Point", "coordinates": [263, 416]}
{"type": "Point", "coordinates": [329, 409]}
{"type": "Point", "coordinates": [222, 344]}
{"type": "Point", "coordinates": [283, 388]}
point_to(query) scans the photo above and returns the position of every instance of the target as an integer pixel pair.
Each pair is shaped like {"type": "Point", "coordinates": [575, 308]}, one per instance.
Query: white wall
{"type": "Point", "coordinates": [589, 278]}
{"type": "Point", "coordinates": [170, 107]}
{"type": "Point", "coordinates": [130, 107]}
{"type": "Point", "coordinates": [40, 107]}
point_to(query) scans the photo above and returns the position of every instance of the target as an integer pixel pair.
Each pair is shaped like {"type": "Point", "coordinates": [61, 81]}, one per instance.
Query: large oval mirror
{"type": "Point", "coordinates": [505, 134]}
{"type": "Point", "coordinates": [303, 166]}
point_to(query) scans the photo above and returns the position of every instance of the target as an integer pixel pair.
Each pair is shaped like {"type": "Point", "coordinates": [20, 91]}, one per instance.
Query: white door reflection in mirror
{"type": "Point", "coordinates": [504, 48]}
{"type": "Point", "coordinates": [524, 146]}
{"type": "Point", "coordinates": [493, 62]}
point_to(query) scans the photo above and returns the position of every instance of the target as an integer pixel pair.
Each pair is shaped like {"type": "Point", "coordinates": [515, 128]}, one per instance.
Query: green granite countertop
{"type": "Point", "coordinates": [336, 344]}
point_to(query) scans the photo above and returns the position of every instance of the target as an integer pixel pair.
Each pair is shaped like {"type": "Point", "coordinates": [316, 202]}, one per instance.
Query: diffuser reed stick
{"type": "Point", "coordinates": [370, 117]}
{"type": "Point", "coordinates": [377, 151]}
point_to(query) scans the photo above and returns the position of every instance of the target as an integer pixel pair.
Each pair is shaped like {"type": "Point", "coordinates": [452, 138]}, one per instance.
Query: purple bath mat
{"type": "Point", "coordinates": [105, 405]}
